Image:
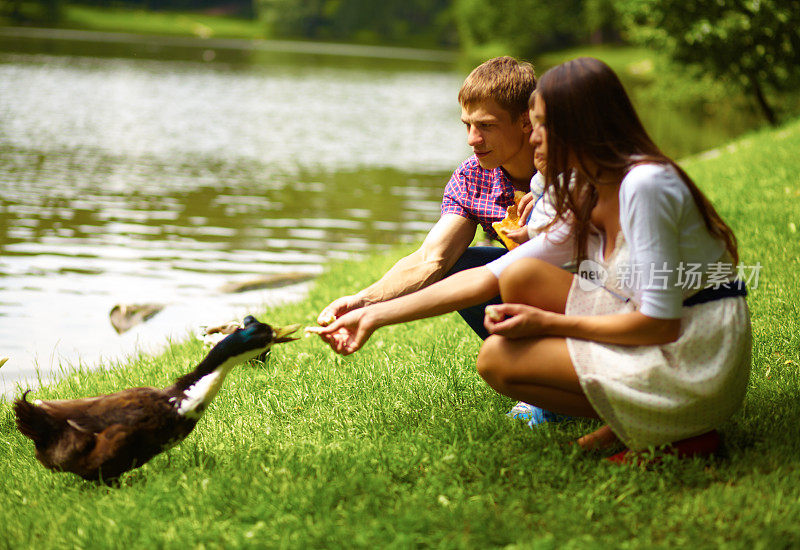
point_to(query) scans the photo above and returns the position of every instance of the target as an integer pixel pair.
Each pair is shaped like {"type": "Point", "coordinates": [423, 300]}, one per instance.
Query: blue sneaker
{"type": "Point", "coordinates": [534, 415]}
{"type": "Point", "coordinates": [521, 411]}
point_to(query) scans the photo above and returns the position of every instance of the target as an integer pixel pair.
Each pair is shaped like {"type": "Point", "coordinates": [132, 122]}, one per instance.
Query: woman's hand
{"type": "Point", "coordinates": [348, 333]}
{"type": "Point", "coordinates": [520, 235]}
{"type": "Point", "coordinates": [516, 320]}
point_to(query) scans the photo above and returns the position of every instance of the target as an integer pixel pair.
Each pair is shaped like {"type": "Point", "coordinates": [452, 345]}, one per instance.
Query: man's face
{"type": "Point", "coordinates": [495, 137]}
{"type": "Point", "coordinates": [539, 134]}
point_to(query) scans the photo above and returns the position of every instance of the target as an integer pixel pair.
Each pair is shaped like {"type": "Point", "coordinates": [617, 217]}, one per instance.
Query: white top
{"type": "Point", "coordinates": [555, 246]}
{"type": "Point", "coordinates": [543, 211]}
{"type": "Point", "coordinates": [665, 234]}
{"type": "Point", "coordinates": [664, 231]}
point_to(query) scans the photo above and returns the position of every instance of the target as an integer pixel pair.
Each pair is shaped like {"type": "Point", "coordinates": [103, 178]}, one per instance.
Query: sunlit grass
{"type": "Point", "coordinates": [154, 22]}
{"type": "Point", "coordinates": [402, 444]}
{"type": "Point", "coordinates": [623, 59]}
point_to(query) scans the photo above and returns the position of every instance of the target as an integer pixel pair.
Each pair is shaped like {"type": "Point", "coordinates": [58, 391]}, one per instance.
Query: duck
{"type": "Point", "coordinates": [124, 317]}
{"type": "Point", "coordinates": [100, 438]}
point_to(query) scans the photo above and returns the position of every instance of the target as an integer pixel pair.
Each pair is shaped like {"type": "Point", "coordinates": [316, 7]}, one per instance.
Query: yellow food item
{"type": "Point", "coordinates": [493, 314]}
{"type": "Point", "coordinates": [510, 223]}
{"type": "Point", "coordinates": [327, 319]}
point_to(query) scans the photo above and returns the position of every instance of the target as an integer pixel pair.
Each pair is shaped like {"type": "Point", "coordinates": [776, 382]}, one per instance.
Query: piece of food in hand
{"type": "Point", "coordinates": [510, 223]}
{"type": "Point", "coordinates": [326, 319]}
{"type": "Point", "coordinates": [494, 314]}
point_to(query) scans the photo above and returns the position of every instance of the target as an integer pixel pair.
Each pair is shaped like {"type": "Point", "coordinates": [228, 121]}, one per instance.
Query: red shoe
{"type": "Point", "coordinates": [700, 445]}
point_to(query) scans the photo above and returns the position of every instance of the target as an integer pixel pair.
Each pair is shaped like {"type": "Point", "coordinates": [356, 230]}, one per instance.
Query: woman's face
{"type": "Point", "coordinates": [538, 137]}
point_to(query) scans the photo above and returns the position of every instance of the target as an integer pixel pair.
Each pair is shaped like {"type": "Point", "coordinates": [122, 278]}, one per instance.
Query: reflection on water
{"type": "Point", "coordinates": [129, 181]}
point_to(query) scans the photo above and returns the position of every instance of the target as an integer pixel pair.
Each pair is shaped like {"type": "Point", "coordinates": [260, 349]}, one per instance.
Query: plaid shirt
{"type": "Point", "coordinates": [479, 195]}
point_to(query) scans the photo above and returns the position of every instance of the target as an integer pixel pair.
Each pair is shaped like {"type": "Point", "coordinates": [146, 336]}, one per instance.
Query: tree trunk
{"type": "Point", "coordinates": [16, 12]}
{"type": "Point", "coordinates": [762, 102]}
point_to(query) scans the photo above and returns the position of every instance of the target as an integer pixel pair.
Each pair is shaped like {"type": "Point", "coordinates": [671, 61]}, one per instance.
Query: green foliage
{"type": "Point", "coordinates": [522, 28]}
{"type": "Point", "coordinates": [36, 12]}
{"type": "Point", "coordinates": [391, 21]}
{"type": "Point", "coordinates": [754, 44]}
{"type": "Point", "coordinates": [602, 20]}
{"type": "Point", "coordinates": [239, 8]}
{"type": "Point", "coordinates": [684, 115]}
{"type": "Point", "coordinates": [402, 444]}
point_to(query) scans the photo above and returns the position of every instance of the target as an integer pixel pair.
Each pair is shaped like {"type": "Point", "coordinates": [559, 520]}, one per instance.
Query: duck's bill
{"type": "Point", "coordinates": [283, 334]}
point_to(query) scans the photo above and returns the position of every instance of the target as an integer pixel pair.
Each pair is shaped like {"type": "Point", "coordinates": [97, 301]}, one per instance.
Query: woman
{"type": "Point", "coordinates": [659, 360]}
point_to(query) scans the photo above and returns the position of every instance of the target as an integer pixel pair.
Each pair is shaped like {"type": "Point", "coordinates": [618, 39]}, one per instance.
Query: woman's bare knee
{"type": "Point", "coordinates": [535, 282]}
{"type": "Point", "coordinates": [519, 278]}
{"type": "Point", "coordinates": [504, 362]}
{"type": "Point", "coordinates": [496, 363]}
{"type": "Point", "coordinates": [488, 362]}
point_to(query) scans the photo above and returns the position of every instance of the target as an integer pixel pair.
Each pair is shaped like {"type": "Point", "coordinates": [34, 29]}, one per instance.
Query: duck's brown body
{"type": "Point", "coordinates": [103, 437]}
{"type": "Point", "coordinates": [100, 438]}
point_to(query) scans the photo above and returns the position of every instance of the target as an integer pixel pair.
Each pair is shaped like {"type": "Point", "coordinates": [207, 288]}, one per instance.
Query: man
{"type": "Point", "coordinates": [494, 109]}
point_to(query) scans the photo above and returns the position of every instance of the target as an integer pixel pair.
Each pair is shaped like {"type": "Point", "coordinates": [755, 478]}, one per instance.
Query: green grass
{"type": "Point", "coordinates": [402, 445]}
{"type": "Point", "coordinates": [168, 23]}
{"type": "Point", "coordinates": [120, 19]}
{"type": "Point", "coordinates": [622, 59]}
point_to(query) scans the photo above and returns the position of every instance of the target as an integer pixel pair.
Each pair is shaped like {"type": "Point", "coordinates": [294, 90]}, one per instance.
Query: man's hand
{"type": "Point", "coordinates": [444, 244]}
{"type": "Point", "coordinates": [525, 207]}
{"type": "Point", "coordinates": [339, 307]}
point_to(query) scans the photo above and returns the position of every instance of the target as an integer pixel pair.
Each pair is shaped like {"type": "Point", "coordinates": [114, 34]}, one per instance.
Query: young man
{"type": "Point", "coordinates": [494, 109]}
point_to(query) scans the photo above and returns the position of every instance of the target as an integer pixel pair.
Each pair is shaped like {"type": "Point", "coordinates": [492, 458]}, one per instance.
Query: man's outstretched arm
{"type": "Point", "coordinates": [445, 243]}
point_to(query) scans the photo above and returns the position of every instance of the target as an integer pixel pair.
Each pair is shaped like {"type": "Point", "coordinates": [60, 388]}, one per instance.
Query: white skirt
{"type": "Point", "coordinates": [653, 395]}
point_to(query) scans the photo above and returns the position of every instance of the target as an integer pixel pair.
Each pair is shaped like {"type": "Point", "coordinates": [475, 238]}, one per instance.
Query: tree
{"type": "Point", "coordinates": [519, 27]}
{"type": "Point", "coordinates": [754, 44]}
{"type": "Point", "coordinates": [602, 21]}
{"type": "Point", "coordinates": [391, 21]}
{"type": "Point", "coordinates": [39, 12]}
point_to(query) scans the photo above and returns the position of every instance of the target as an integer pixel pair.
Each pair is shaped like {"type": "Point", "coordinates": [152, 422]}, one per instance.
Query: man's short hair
{"type": "Point", "coordinates": [503, 79]}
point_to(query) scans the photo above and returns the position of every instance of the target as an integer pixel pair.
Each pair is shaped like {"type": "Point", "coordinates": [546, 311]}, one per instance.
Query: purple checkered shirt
{"type": "Point", "coordinates": [478, 194]}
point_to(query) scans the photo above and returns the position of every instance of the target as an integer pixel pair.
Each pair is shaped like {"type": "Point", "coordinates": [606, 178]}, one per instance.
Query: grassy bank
{"type": "Point", "coordinates": [154, 22]}
{"type": "Point", "coordinates": [402, 445]}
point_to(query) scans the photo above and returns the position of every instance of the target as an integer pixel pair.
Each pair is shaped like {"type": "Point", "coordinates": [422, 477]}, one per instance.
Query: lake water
{"type": "Point", "coordinates": [154, 174]}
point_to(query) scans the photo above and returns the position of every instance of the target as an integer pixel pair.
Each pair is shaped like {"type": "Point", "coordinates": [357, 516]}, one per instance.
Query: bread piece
{"type": "Point", "coordinates": [493, 314]}
{"type": "Point", "coordinates": [510, 223]}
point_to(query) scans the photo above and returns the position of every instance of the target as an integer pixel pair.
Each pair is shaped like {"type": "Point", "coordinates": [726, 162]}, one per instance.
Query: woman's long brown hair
{"type": "Point", "coordinates": [589, 117]}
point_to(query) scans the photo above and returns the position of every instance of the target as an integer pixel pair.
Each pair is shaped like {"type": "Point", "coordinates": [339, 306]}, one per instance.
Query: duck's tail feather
{"type": "Point", "coordinates": [33, 421]}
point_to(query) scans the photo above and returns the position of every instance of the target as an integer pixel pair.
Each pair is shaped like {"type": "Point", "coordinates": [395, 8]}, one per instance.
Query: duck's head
{"type": "Point", "coordinates": [194, 391]}
{"type": "Point", "coordinates": [255, 337]}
